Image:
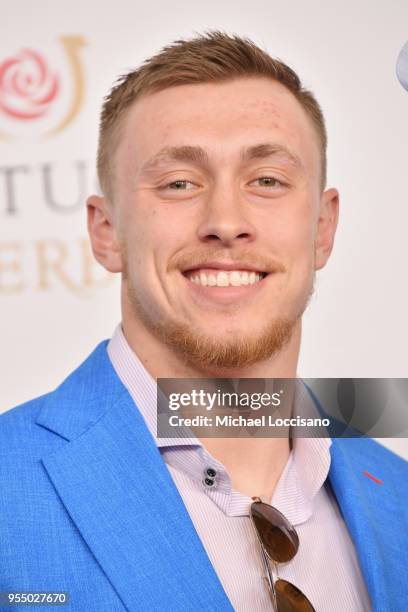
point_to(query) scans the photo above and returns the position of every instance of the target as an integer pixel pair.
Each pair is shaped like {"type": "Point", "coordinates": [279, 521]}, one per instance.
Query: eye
{"type": "Point", "coordinates": [267, 181]}
{"type": "Point", "coordinates": [179, 185]}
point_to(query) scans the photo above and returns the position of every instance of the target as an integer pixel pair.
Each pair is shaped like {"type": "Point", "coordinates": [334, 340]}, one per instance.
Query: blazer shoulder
{"type": "Point", "coordinates": [46, 422]}
{"type": "Point", "coordinates": [22, 414]}
{"type": "Point", "coordinates": [18, 428]}
{"type": "Point", "coordinates": [384, 454]}
{"type": "Point", "coordinates": [371, 452]}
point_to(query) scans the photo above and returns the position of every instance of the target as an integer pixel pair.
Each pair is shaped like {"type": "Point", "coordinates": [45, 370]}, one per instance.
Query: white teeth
{"type": "Point", "coordinates": [224, 279]}
{"type": "Point", "coordinates": [244, 278]}
{"type": "Point", "coordinates": [235, 279]}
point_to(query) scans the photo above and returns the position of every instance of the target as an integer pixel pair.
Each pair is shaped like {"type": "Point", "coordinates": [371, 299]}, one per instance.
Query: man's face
{"type": "Point", "coordinates": [218, 215]}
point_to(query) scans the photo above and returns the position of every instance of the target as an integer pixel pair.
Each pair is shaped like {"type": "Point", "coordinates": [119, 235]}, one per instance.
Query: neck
{"type": "Point", "coordinates": [254, 464]}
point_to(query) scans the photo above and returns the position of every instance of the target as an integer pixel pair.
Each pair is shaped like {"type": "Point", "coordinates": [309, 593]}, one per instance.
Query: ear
{"type": "Point", "coordinates": [326, 226]}
{"type": "Point", "coordinates": [102, 233]}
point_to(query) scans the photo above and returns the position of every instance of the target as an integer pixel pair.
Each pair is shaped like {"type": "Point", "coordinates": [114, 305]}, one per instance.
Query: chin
{"type": "Point", "coordinates": [226, 349]}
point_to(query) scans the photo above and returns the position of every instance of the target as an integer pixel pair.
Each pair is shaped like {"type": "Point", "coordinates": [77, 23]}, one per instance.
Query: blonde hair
{"type": "Point", "coordinates": [213, 57]}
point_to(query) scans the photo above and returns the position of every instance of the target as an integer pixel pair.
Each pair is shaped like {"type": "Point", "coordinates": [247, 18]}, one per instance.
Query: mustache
{"type": "Point", "coordinates": [199, 257]}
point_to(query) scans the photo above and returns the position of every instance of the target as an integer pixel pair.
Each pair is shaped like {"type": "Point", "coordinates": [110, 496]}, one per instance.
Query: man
{"type": "Point", "coordinates": [212, 162]}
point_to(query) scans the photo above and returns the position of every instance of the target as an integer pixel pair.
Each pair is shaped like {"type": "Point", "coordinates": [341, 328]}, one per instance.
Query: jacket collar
{"type": "Point", "coordinates": [117, 490]}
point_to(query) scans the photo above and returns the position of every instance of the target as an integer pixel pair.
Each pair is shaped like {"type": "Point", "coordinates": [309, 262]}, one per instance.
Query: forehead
{"type": "Point", "coordinates": [222, 118]}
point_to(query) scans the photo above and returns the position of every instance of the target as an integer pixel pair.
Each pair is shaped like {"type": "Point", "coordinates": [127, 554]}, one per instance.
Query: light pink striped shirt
{"type": "Point", "coordinates": [325, 567]}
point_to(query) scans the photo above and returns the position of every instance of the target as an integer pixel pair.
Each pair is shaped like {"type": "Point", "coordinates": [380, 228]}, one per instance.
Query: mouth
{"type": "Point", "coordinates": [221, 286]}
{"type": "Point", "coordinates": [219, 277]}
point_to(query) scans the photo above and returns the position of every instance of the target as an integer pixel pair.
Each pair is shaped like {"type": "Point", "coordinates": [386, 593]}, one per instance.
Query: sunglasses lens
{"type": "Point", "coordinates": [290, 599]}
{"type": "Point", "coordinates": [277, 535]}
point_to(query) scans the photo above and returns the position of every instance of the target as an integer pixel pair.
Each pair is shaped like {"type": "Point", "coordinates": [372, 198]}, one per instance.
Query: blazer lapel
{"type": "Point", "coordinates": [374, 514]}
{"type": "Point", "coordinates": [116, 488]}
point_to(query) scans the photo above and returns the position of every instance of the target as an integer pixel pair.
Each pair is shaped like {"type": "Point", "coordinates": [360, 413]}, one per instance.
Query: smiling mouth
{"type": "Point", "coordinates": [224, 278]}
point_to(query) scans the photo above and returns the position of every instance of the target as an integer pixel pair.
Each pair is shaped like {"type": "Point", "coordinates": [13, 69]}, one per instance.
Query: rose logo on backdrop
{"type": "Point", "coordinates": [27, 87]}
{"type": "Point", "coordinates": [39, 92]}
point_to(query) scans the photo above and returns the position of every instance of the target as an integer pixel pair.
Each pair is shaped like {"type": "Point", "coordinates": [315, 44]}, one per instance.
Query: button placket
{"type": "Point", "coordinates": [209, 478]}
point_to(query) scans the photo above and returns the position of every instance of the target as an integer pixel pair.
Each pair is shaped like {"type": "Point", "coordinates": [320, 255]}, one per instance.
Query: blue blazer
{"type": "Point", "coordinates": [87, 506]}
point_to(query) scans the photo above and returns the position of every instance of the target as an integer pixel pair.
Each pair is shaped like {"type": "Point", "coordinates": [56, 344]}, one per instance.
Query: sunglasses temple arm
{"type": "Point", "coordinates": [269, 577]}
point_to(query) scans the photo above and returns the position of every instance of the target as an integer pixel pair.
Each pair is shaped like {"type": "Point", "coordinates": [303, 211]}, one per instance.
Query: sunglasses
{"type": "Point", "coordinates": [279, 544]}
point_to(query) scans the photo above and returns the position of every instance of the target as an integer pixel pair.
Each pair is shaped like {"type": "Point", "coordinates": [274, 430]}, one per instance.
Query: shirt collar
{"type": "Point", "coordinates": [309, 460]}
{"type": "Point", "coordinates": [141, 386]}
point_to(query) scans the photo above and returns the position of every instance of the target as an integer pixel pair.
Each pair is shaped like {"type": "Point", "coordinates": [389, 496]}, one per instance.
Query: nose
{"type": "Point", "coordinates": [225, 218]}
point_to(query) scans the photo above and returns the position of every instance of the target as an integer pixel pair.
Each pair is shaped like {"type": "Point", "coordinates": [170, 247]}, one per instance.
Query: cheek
{"type": "Point", "coordinates": [291, 237]}
{"type": "Point", "coordinates": [153, 236]}
{"type": "Point", "coordinates": [302, 252]}
{"type": "Point", "coordinates": [292, 234]}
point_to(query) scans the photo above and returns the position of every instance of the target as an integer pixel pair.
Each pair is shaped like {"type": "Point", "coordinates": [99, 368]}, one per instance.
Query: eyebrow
{"type": "Point", "coordinates": [263, 150]}
{"type": "Point", "coordinates": [183, 153]}
{"type": "Point", "coordinates": [197, 155]}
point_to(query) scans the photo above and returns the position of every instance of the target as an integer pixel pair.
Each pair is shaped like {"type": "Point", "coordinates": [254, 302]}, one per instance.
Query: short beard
{"type": "Point", "coordinates": [211, 354]}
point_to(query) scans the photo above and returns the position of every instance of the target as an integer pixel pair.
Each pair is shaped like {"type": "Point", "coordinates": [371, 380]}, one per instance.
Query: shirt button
{"type": "Point", "coordinates": [211, 472]}
{"type": "Point", "coordinates": [209, 482]}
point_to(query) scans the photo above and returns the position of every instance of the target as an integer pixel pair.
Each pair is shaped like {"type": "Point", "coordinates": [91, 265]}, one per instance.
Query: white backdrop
{"type": "Point", "coordinates": [56, 304]}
